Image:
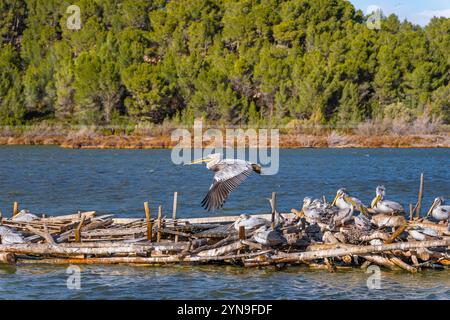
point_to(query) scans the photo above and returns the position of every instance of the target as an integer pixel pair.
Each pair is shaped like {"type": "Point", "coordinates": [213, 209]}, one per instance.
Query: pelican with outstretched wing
{"type": "Point", "coordinates": [229, 174]}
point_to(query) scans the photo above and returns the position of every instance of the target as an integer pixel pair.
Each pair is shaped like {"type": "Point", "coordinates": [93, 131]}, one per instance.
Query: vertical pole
{"type": "Point", "coordinates": [78, 230]}
{"type": "Point", "coordinates": [419, 200]}
{"type": "Point", "coordinates": [148, 221]}
{"type": "Point", "coordinates": [174, 213]}
{"type": "Point", "coordinates": [15, 208]}
{"type": "Point", "coordinates": [274, 205]}
{"type": "Point", "coordinates": [411, 210]}
{"type": "Point", "coordinates": [241, 233]}
{"type": "Point", "coordinates": [158, 238]}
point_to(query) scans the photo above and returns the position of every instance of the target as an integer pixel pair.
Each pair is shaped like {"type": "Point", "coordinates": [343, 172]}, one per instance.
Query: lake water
{"type": "Point", "coordinates": [56, 181]}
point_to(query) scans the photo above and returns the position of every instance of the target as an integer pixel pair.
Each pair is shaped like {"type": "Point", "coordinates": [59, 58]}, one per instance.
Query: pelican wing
{"type": "Point", "coordinates": [229, 175]}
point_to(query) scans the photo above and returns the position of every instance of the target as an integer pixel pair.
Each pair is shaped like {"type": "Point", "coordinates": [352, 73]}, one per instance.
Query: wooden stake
{"type": "Point", "coordinates": [419, 200]}
{"type": "Point", "coordinates": [15, 208]}
{"type": "Point", "coordinates": [148, 221]}
{"type": "Point", "coordinates": [78, 230]}
{"type": "Point", "coordinates": [411, 212]}
{"type": "Point", "coordinates": [242, 233]}
{"type": "Point", "coordinates": [274, 205]}
{"type": "Point", "coordinates": [174, 212]}
{"type": "Point", "coordinates": [158, 238]}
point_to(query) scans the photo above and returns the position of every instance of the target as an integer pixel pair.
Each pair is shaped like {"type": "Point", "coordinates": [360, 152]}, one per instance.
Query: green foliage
{"type": "Point", "coordinates": [257, 62]}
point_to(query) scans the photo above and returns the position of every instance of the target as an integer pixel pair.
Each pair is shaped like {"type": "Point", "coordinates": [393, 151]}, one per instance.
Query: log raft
{"type": "Point", "coordinates": [86, 238]}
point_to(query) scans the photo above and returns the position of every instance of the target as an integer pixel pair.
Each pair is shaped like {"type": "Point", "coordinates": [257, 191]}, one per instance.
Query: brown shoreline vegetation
{"type": "Point", "coordinates": [95, 140]}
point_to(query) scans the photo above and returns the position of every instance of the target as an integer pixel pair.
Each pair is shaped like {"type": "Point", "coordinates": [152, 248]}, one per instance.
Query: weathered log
{"type": "Point", "coordinates": [7, 258]}
{"type": "Point", "coordinates": [400, 263]}
{"type": "Point", "coordinates": [49, 249]}
{"type": "Point", "coordinates": [380, 260]}
{"type": "Point", "coordinates": [357, 250]}
{"type": "Point", "coordinates": [45, 235]}
{"type": "Point", "coordinates": [238, 245]}
{"type": "Point", "coordinates": [143, 260]}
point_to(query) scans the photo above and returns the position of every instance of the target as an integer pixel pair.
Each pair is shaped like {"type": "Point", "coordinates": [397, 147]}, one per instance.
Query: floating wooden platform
{"type": "Point", "coordinates": [86, 238]}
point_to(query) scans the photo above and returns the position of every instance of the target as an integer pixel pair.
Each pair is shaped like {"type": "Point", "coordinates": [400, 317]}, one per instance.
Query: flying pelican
{"type": "Point", "coordinates": [438, 210]}
{"type": "Point", "coordinates": [229, 174]}
{"type": "Point", "coordinates": [385, 206]}
{"type": "Point", "coordinates": [343, 200]}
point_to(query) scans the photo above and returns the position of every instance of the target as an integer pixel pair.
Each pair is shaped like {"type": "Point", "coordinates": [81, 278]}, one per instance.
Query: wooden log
{"type": "Point", "coordinates": [50, 249]}
{"type": "Point", "coordinates": [207, 220]}
{"type": "Point", "coordinates": [174, 212]}
{"type": "Point", "coordinates": [379, 260]}
{"type": "Point", "coordinates": [357, 250]}
{"type": "Point", "coordinates": [148, 221]}
{"type": "Point", "coordinates": [238, 245]}
{"type": "Point", "coordinates": [158, 238]}
{"type": "Point", "coordinates": [420, 196]}
{"type": "Point", "coordinates": [44, 234]}
{"type": "Point", "coordinates": [400, 263]}
{"type": "Point", "coordinates": [7, 258]}
{"type": "Point", "coordinates": [273, 203]}
{"type": "Point", "coordinates": [144, 260]}
{"type": "Point", "coordinates": [78, 230]}
{"type": "Point", "coordinates": [395, 234]}
{"type": "Point", "coordinates": [15, 208]}
{"type": "Point", "coordinates": [242, 233]}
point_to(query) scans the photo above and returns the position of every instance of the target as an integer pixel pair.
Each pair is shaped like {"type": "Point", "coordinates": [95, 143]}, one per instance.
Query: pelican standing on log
{"type": "Point", "coordinates": [229, 174]}
{"type": "Point", "coordinates": [380, 205]}
{"type": "Point", "coordinates": [343, 201]}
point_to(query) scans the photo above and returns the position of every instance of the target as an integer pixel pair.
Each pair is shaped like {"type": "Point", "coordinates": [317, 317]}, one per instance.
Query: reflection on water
{"type": "Point", "coordinates": [56, 181]}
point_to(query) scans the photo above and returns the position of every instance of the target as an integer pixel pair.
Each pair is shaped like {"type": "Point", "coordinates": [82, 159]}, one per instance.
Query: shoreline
{"type": "Point", "coordinates": [287, 141]}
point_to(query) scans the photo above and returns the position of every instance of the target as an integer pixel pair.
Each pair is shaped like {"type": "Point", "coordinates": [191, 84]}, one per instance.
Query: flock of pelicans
{"type": "Point", "coordinates": [382, 214]}
{"type": "Point", "coordinates": [229, 173]}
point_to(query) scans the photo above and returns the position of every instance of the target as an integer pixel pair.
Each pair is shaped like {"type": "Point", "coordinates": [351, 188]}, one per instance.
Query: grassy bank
{"type": "Point", "coordinates": [368, 135]}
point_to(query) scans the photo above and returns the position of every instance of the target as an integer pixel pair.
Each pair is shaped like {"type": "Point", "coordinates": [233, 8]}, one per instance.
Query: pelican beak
{"type": "Point", "coordinates": [301, 214]}
{"type": "Point", "coordinates": [431, 208]}
{"type": "Point", "coordinates": [377, 199]}
{"type": "Point", "coordinates": [349, 200]}
{"type": "Point", "coordinates": [197, 161]}
{"type": "Point", "coordinates": [335, 199]}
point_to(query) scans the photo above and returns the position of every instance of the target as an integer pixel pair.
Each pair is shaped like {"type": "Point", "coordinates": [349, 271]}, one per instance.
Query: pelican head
{"type": "Point", "coordinates": [307, 202]}
{"type": "Point", "coordinates": [213, 157]}
{"type": "Point", "coordinates": [342, 192]}
{"type": "Point", "coordinates": [436, 203]}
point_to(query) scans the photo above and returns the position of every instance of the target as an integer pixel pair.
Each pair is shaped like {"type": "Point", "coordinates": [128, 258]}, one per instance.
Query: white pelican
{"type": "Point", "coordinates": [24, 216]}
{"type": "Point", "coordinates": [311, 211]}
{"type": "Point", "coordinates": [421, 234]}
{"type": "Point", "coordinates": [343, 200]}
{"type": "Point", "coordinates": [268, 237]}
{"type": "Point", "coordinates": [249, 222]}
{"type": "Point", "coordinates": [341, 217]}
{"type": "Point", "coordinates": [362, 222]}
{"type": "Point", "coordinates": [438, 210]}
{"type": "Point", "coordinates": [229, 174]}
{"type": "Point", "coordinates": [8, 236]}
{"type": "Point", "coordinates": [380, 205]}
